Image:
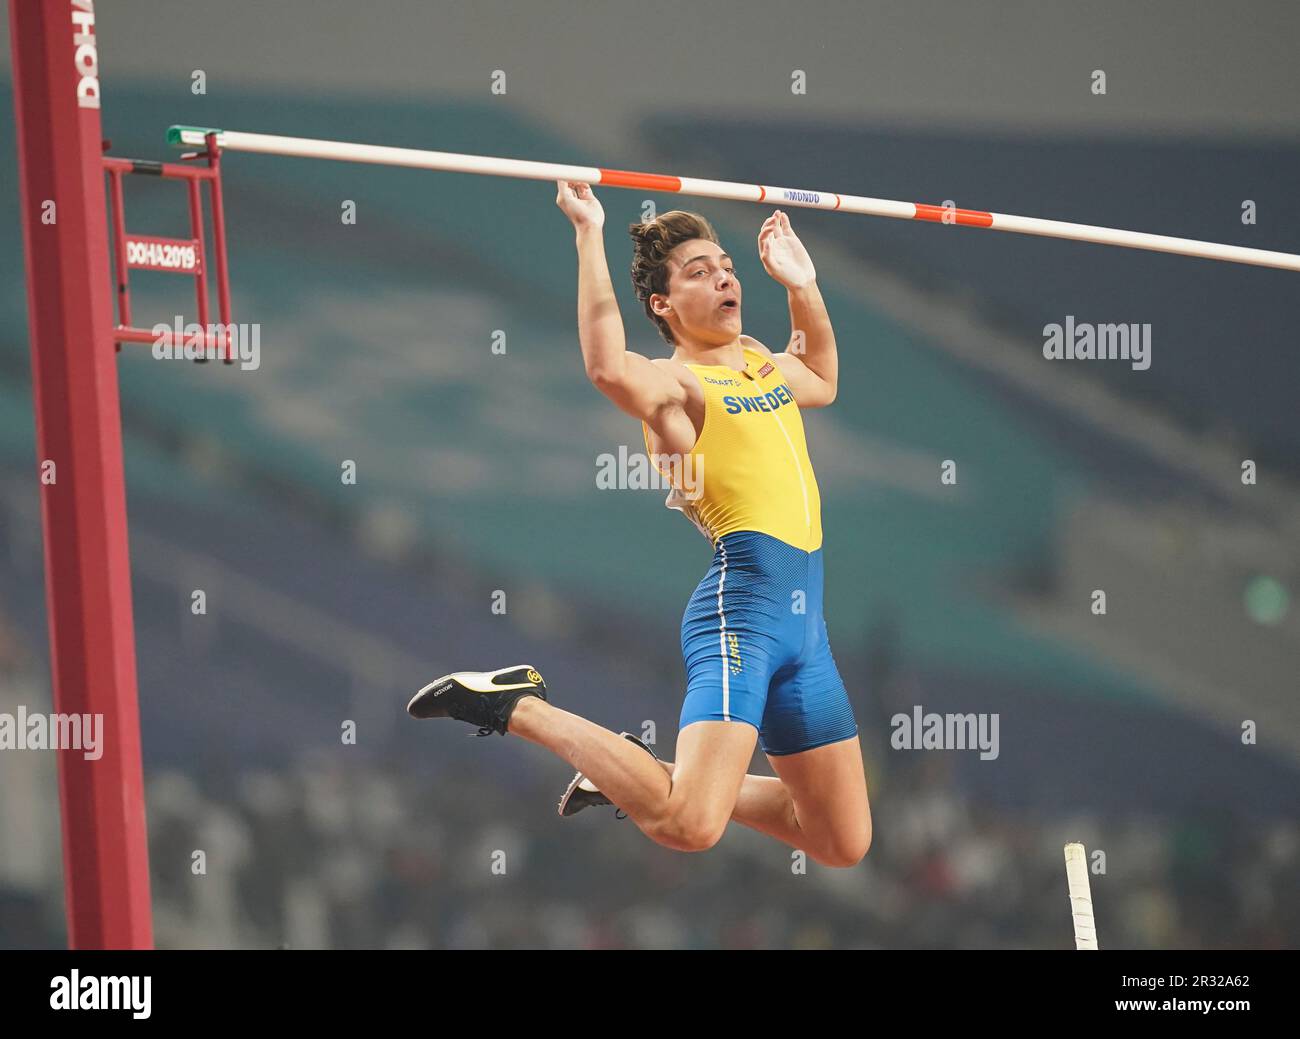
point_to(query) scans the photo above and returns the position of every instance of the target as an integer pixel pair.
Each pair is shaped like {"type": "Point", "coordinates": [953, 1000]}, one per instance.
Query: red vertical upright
{"type": "Point", "coordinates": [78, 429]}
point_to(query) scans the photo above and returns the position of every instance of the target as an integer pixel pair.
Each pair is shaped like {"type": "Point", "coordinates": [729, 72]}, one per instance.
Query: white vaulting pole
{"type": "Point", "coordinates": [453, 162]}
{"type": "Point", "coordinates": [1076, 875]}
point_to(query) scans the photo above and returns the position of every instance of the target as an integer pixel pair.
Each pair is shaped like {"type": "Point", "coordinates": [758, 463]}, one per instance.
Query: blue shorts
{"type": "Point", "coordinates": [755, 646]}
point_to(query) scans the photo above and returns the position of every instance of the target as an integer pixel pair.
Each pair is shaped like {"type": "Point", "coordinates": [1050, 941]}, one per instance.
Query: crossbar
{"type": "Point", "coordinates": [454, 162]}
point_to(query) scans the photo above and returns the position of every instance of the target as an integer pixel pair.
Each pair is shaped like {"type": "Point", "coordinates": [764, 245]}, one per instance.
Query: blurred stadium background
{"type": "Point", "coordinates": [477, 472]}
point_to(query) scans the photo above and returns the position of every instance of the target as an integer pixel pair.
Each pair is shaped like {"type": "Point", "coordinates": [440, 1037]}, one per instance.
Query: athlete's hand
{"type": "Point", "coordinates": [783, 255]}
{"type": "Point", "coordinates": [579, 204]}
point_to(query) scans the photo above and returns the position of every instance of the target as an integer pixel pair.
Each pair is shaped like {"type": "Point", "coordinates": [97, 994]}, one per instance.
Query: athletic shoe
{"type": "Point", "coordinates": [482, 698]}
{"type": "Point", "coordinates": [582, 792]}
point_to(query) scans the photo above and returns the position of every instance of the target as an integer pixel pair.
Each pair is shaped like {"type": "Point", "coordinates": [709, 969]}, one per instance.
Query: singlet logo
{"type": "Point", "coordinates": [766, 370]}
{"type": "Point", "coordinates": [722, 382]}
{"type": "Point", "coordinates": [777, 398]}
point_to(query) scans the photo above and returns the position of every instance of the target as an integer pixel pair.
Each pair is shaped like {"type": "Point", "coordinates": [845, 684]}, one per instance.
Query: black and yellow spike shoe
{"type": "Point", "coordinates": [482, 698]}
{"type": "Point", "coordinates": [582, 792]}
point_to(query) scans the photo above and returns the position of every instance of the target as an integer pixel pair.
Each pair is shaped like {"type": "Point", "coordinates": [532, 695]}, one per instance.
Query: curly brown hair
{"type": "Point", "coordinates": [652, 242]}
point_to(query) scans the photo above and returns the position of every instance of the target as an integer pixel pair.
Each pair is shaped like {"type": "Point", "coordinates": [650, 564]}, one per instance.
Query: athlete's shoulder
{"type": "Point", "coordinates": [675, 368]}
{"type": "Point", "coordinates": [684, 377]}
{"type": "Point", "coordinates": [681, 370]}
{"type": "Point", "coordinates": [754, 344]}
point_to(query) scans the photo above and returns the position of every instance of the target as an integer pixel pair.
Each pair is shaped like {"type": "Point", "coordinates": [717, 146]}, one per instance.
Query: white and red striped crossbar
{"type": "Point", "coordinates": [453, 162]}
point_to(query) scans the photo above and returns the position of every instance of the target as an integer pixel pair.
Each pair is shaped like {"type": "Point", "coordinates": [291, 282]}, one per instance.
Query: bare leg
{"type": "Point", "coordinates": [686, 810]}
{"type": "Point", "coordinates": [765, 805]}
{"type": "Point", "coordinates": [632, 779]}
{"type": "Point", "coordinates": [828, 786]}
{"type": "Point", "coordinates": [624, 773]}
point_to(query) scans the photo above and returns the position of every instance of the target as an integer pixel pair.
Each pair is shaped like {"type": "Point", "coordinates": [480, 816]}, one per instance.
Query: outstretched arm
{"type": "Point", "coordinates": [639, 387]}
{"type": "Point", "coordinates": [810, 364]}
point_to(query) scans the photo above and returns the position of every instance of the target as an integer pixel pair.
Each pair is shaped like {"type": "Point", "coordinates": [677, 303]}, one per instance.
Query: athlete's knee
{"type": "Point", "coordinates": [847, 849]}
{"type": "Point", "coordinates": [700, 837]}
{"type": "Point", "coordinates": [688, 828]}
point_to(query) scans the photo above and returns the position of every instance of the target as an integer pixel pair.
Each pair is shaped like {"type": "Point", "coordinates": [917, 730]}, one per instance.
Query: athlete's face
{"type": "Point", "coordinates": [703, 297]}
